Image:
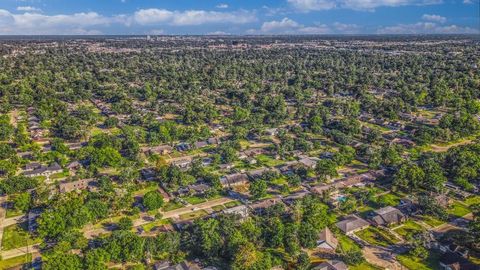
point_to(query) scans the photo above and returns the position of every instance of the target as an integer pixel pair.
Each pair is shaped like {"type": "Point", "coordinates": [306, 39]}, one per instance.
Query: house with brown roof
{"type": "Point", "coordinates": [160, 149]}
{"type": "Point", "coordinates": [351, 224]}
{"type": "Point", "coordinates": [387, 216]}
{"type": "Point", "coordinates": [76, 185]}
{"type": "Point", "coordinates": [326, 240]}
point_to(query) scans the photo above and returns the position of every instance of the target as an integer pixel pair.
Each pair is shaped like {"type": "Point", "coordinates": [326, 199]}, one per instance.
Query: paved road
{"type": "Point", "coordinates": [12, 253]}
{"type": "Point", "coordinates": [12, 221]}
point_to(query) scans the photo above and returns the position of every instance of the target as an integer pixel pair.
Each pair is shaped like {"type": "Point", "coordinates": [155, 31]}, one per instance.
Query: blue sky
{"type": "Point", "coordinates": [238, 17]}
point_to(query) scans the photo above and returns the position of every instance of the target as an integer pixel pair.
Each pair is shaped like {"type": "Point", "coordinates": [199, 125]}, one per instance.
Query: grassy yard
{"type": "Point", "coordinates": [218, 207]}
{"type": "Point", "coordinates": [16, 236]}
{"type": "Point", "coordinates": [16, 261]}
{"type": "Point", "coordinates": [389, 199]}
{"type": "Point", "coordinates": [472, 200]}
{"type": "Point", "coordinates": [232, 204]}
{"type": "Point", "coordinates": [169, 206]}
{"type": "Point", "coordinates": [432, 221]}
{"type": "Point", "coordinates": [377, 236]}
{"type": "Point", "coordinates": [345, 243]}
{"type": "Point", "coordinates": [268, 160]}
{"type": "Point", "coordinates": [12, 212]}
{"type": "Point", "coordinates": [458, 209]}
{"type": "Point", "coordinates": [148, 227]}
{"type": "Point", "coordinates": [408, 229]}
{"type": "Point", "coordinates": [364, 266]}
{"type": "Point", "coordinates": [414, 263]}
{"type": "Point", "coordinates": [59, 175]}
{"type": "Point", "coordinates": [193, 215]}
{"type": "Point", "coordinates": [194, 199]}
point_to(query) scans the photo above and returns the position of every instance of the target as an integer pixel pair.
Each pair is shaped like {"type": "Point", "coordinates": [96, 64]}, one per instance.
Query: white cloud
{"type": "Point", "coordinates": [191, 17]}
{"type": "Point", "coordinates": [317, 5]}
{"type": "Point", "coordinates": [285, 24]}
{"type": "Point", "coordinates": [218, 33]}
{"type": "Point", "coordinates": [307, 5]}
{"type": "Point", "coordinates": [35, 23]}
{"type": "Point", "coordinates": [434, 18]}
{"type": "Point", "coordinates": [289, 26]}
{"type": "Point", "coordinates": [30, 22]}
{"type": "Point", "coordinates": [426, 28]}
{"type": "Point", "coordinates": [28, 8]}
{"type": "Point", "coordinates": [222, 6]}
{"type": "Point", "coordinates": [467, 2]}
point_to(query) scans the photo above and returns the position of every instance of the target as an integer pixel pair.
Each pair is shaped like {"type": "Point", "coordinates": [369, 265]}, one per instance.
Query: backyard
{"type": "Point", "coordinates": [377, 236]}
{"type": "Point", "coordinates": [16, 236]}
{"type": "Point", "coordinates": [408, 229]}
{"type": "Point", "coordinates": [414, 263]}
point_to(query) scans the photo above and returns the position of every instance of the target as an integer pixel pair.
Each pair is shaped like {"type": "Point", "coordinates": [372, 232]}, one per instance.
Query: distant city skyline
{"type": "Point", "coordinates": [261, 17]}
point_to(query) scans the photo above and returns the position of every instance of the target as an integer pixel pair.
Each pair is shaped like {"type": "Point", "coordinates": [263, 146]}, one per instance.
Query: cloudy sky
{"type": "Point", "coordinates": [26, 17]}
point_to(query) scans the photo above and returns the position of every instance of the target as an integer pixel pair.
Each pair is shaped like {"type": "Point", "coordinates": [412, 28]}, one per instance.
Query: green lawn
{"type": "Point", "coordinates": [364, 266]}
{"type": "Point", "coordinates": [432, 221]}
{"type": "Point", "coordinates": [345, 243]}
{"type": "Point", "coordinates": [171, 205]}
{"type": "Point", "coordinates": [472, 200]}
{"type": "Point", "coordinates": [16, 236]}
{"type": "Point", "coordinates": [413, 263]}
{"type": "Point", "coordinates": [389, 199]}
{"type": "Point", "coordinates": [16, 261]}
{"type": "Point", "coordinates": [149, 226]}
{"type": "Point", "coordinates": [377, 236]}
{"type": "Point", "coordinates": [59, 175]}
{"type": "Point", "coordinates": [268, 160]}
{"type": "Point", "coordinates": [12, 212]}
{"type": "Point", "coordinates": [408, 229]}
{"type": "Point", "coordinates": [193, 215]}
{"type": "Point", "coordinates": [218, 207]}
{"type": "Point", "coordinates": [194, 199]}
{"type": "Point", "coordinates": [458, 209]}
{"type": "Point", "coordinates": [232, 204]}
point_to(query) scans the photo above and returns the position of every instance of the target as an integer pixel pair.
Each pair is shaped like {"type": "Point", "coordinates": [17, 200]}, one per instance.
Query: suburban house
{"type": "Point", "coordinates": [309, 162]}
{"type": "Point", "coordinates": [453, 261]}
{"type": "Point", "coordinates": [259, 207]}
{"type": "Point", "coordinates": [182, 163]}
{"type": "Point", "coordinates": [76, 185]}
{"type": "Point", "coordinates": [351, 224]}
{"type": "Point", "coordinates": [326, 240]}
{"type": "Point", "coordinates": [331, 265]}
{"type": "Point", "coordinates": [387, 216]}
{"type": "Point", "coordinates": [165, 265]}
{"type": "Point", "coordinates": [160, 150]}
{"type": "Point", "coordinates": [44, 170]}
{"type": "Point", "coordinates": [235, 179]}
{"type": "Point", "coordinates": [240, 210]}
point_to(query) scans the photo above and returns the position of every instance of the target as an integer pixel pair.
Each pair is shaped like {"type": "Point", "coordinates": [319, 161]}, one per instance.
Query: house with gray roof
{"type": "Point", "coordinates": [387, 216]}
{"type": "Point", "coordinates": [351, 224]}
